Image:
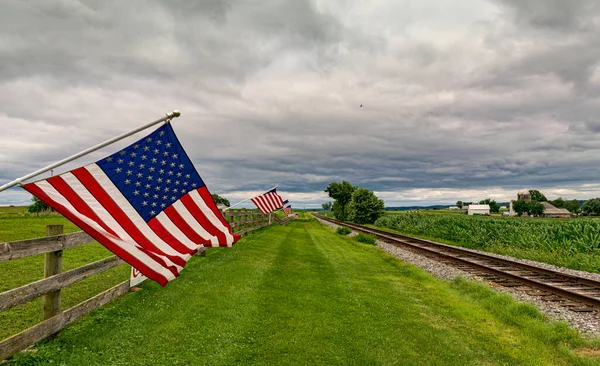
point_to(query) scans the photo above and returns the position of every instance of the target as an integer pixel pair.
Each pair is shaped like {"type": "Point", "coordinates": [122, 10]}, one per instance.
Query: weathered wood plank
{"type": "Point", "coordinates": [241, 213]}
{"type": "Point", "coordinates": [246, 222]}
{"type": "Point", "coordinates": [25, 248]}
{"type": "Point", "coordinates": [30, 336]}
{"type": "Point", "coordinates": [23, 294]}
{"type": "Point", "coordinates": [95, 302]}
{"type": "Point", "coordinates": [52, 266]}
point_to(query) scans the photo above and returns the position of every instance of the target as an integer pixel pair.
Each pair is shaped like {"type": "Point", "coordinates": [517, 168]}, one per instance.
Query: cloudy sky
{"type": "Point", "coordinates": [462, 99]}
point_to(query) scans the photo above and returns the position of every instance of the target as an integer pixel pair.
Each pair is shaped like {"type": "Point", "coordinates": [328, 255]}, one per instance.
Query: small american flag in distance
{"type": "Point", "coordinates": [268, 202]}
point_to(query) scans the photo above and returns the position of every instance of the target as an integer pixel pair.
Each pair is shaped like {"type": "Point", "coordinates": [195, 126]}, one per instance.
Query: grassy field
{"type": "Point", "coordinates": [16, 224]}
{"type": "Point", "coordinates": [573, 243]}
{"type": "Point", "coordinates": [302, 294]}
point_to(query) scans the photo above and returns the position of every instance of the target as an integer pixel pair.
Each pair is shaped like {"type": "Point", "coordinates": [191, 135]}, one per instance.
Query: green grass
{"type": "Point", "coordinates": [342, 230]}
{"type": "Point", "coordinates": [365, 238]}
{"type": "Point", "coordinates": [15, 224]}
{"type": "Point", "coordinates": [572, 243]}
{"type": "Point", "coordinates": [301, 294]}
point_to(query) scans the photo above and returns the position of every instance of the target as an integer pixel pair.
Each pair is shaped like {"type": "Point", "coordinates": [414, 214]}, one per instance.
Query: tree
{"type": "Point", "coordinates": [365, 207]}
{"type": "Point", "coordinates": [591, 207]}
{"type": "Point", "coordinates": [559, 203]}
{"type": "Point", "coordinates": [327, 206]}
{"type": "Point", "coordinates": [573, 206]}
{"type": "Point", "coordinates": [38, 206]}
{"type": "Point", "coordinates": [535, 208]}
{"type": "Point", "coordinates": [339, 211]}
{"type": "Point", "coordinates": [494, 207]}
{"type": "Point", "coordinates": [520, 207]}
{"type": "Point", "coordinates": [537, 196]}
{"type": "Point", "coordinates": [218, 199]}
{"type": "Point", "coordinates": [459, 204]}
{"type": "Point", "coordinates": [342, 194]}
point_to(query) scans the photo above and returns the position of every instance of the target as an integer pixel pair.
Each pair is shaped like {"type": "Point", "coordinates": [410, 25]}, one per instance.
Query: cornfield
{"type": "Point", "coordinates": [572, 243]}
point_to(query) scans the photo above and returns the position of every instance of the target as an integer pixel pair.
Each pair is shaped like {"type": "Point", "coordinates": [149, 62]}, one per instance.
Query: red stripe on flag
{"type": "Point", "coordinates": [258, 204]}
{"type": "Point", "coordinates": [189, 203]}
{"type": "Point", "coordinates": [149, 248]}
{"type": "Point", "coordinates": [205, 194]}
{"type": "Point", "coordinates": [161, 231]}
{"type": "Point", "coordinates": [74, 199]}
{"type": "Point", "coordinates": [185, 228]}
{"type": "Point", "coordinates": [266, 203]}
{"type": "Point", "coordinates": [269, 201]}
{"type": "Point", "coordinates": [100, 238]}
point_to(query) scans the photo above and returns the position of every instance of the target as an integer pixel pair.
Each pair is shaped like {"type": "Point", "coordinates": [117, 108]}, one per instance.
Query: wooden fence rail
{"type": "Point", "coordinates": [52, 246]}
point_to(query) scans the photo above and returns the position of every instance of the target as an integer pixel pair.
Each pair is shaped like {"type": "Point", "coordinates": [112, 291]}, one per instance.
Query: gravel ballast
{"type": "Point", "coordinates": [586, 322]}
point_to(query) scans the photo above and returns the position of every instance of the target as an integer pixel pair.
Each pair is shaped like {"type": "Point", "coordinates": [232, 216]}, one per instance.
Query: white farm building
{"type": "Point", "coordinates": [479, 210]}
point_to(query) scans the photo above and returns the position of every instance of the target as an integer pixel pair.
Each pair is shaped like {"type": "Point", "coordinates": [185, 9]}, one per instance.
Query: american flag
{"type": "Point", "coordinates": [287, 209]}
{"type": "Point", "coordinates": [268, 202]}
{"type": "Point", "coordinates": [145, 203]}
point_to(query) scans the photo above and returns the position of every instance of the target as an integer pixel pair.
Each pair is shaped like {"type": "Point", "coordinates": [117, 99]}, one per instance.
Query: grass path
{"type": "Point", "coordinates": [303, 295]}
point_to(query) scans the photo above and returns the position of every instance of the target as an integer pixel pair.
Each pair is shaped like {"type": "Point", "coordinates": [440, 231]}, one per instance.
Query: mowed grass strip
{"type": "Point", "coordinates": [15, 224]}
{"type": "Point", "coordinates": [301, 294]}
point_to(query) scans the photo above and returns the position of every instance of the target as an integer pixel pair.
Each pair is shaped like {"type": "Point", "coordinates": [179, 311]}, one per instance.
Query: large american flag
{"type": "Point", "coordinates": [268, 202]}
{"type": "Point", "coordinates": [145, 203]}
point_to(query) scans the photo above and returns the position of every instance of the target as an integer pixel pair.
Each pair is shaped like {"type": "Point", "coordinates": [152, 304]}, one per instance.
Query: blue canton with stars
{"type": "Point", "coordinates": [153, 172]}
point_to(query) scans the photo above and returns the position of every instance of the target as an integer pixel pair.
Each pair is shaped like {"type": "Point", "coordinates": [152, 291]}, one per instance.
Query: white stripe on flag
{"type": "Point", "coordinates": [127, 246]}
{"type": "Point", "coordinates": [94, 205]}
{"type": "Point", "coordinates": [110, 221]}
{"type": "Point", "coordinates": [270, 201]}
{"type": "Point", "coordinates": [265, 202]}
{"type": "Point", "coordinates": [258, 204]}
{"type": "Point", "coordinates": [191, 221]}
{"type": "Point", "coordinates": [210, 215]}
{"type": "Point", "coordinates": [132, 213]}
{"type": "Point", "coordinates": [175, 231]}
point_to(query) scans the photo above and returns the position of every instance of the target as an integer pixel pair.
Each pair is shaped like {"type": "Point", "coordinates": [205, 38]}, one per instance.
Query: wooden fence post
{"type": "Point", "coordinates": [52, 266]}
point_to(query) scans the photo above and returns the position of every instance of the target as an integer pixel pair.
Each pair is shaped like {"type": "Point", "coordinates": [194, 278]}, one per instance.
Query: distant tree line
{"type": "Point", "coordinates": [351, 203]}
{"type": "Point", "coordinates": [534, 207]}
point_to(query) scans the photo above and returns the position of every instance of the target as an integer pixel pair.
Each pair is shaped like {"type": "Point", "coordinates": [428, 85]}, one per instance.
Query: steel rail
{"type": "Point", "coordinates": [433, 248]}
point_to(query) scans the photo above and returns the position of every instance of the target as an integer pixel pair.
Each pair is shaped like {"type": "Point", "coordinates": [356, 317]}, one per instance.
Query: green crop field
{"type": "Point", "coordinates": [573, 243]}
{"type": "Point", "coordinates": [301, 294]}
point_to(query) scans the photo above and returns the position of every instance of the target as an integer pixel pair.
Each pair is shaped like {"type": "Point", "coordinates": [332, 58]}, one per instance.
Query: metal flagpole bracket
{"type": "Point", "coordinates": [20, 181]}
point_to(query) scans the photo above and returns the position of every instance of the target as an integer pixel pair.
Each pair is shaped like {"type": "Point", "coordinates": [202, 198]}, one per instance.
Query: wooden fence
{"type": "Point", "coordinates": [54, 319]}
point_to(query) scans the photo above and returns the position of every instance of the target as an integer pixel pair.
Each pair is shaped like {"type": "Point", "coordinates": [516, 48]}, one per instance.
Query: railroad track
{"type": "Point", "coordinates": [577, 293]}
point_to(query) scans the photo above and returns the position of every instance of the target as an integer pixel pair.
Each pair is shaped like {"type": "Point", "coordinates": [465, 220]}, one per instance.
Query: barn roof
{"type": "Point", "coordinates": [551, 210]}
{"type": "Point", "coordinates": [479, 207]}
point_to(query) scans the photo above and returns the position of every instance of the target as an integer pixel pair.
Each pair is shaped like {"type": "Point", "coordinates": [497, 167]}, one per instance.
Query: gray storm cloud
{"type": "Point", "coordinates": [460, 98]}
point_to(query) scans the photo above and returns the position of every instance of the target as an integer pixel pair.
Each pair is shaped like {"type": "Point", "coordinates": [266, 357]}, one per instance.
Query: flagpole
{"type": "Point", "coordinates": [248, 199]}
{"type": "Point", "coordinates": [169, 116]}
